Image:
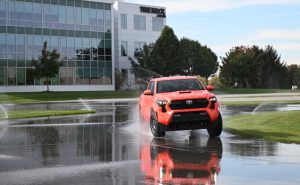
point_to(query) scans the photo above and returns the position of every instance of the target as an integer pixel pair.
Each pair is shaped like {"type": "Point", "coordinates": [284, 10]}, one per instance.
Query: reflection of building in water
{"type": "Point", "coordinates": [80, 140]}
{"type": "Point", "coordinates": [59, 142]}
{"type": "Point", "coordinates": [255, 148]}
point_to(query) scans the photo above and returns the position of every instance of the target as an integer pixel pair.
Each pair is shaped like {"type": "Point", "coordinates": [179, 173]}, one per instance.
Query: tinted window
{"type": "Point", "coordinates": [178, 85]}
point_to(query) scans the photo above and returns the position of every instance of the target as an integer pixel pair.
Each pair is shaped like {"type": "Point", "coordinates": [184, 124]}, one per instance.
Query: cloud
{"type": "Point", "coordinates": [282, 49]}
{"type": "Point", "coordinates": [286, 42]}
{"type": "Point", "coordinates": [293, 61]}
{"type": "Point", "coordinates": [276, 34]}
{"type": "Point", "coordinates": [182, 6]}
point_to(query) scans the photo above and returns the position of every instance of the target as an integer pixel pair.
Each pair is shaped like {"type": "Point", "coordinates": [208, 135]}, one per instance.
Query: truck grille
{"type": "Point", "coordinates": [189, 121]}
{"type": "Point", "coordinates": [184, 104]}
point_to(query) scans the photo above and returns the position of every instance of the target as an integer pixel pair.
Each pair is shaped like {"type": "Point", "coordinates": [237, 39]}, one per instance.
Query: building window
{"type": "Point", "coordinates": [125, 75]}
{"type": "Point", "coordinates": [124, 49]}
{"type": "Point", "coordinates": [138, 46]}
{"type": "Point", "coordinates": [139, 22]}
{"type": "Point", "coordinates": [124, 21]}
{"type": "Point", "coordinates": [157, 24]}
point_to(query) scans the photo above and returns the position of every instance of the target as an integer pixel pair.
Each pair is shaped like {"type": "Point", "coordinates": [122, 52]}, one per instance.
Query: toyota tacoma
{"type": "Point", "coordinates": [180, 103]}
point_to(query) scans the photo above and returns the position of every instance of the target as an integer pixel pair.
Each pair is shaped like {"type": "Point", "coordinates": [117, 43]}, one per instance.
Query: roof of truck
{"type": "Point", "coordinates": [174, 78]}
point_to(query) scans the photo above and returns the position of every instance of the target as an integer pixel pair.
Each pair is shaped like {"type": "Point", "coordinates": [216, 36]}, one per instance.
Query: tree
{"type": "Point", "coordinates": [166, 58]}
{"type": "Point", "coordinates": [118, 79]}
{"type": "Point", "coordinates": [190, 52]}
{"type": "Point", "coordinates": [47, 65]}
{"type": "Point", "coordinates": [169, 56]}
{"type": "Point", "coordinates": [142, 65]}
{"type": "Point", "coordinates": [294, 74]}
{"type": "Point", "coordinates": [197, 59]}
{"type": "Point", "coordinates": [208, 63]}
{"type": "Point", "coordinates": [274, 71]}
{"type": "Point", "coordinates": [253, 67]}
{"type": "Point", "coordinates": [297, 77]}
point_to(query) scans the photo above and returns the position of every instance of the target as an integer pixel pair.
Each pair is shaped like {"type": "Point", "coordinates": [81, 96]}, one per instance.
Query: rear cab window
{"type": "Point", "coordinates": [178, 85]}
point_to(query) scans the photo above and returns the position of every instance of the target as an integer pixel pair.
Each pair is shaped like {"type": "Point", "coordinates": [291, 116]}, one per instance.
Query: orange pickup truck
{"type": "Point", "coordinates": [180, 103]}
{"type": "Point", "coordinates": [162, 164]}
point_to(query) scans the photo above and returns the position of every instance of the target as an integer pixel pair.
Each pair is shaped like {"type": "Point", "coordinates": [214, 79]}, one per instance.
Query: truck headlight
{"type": "Point", "coordinates": [213, 99]}
{"type": "Point", "coordinates": [161, 103]}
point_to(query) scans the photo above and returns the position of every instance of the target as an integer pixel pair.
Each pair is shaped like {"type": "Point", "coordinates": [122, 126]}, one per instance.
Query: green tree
{"type": "Point", "coordinates": [142, 63]}
{"type": "Point", "coordinates": [166, 57]}
{"type": "Point", "coordinates": [197, 59]}
{"type": "Point", "coordinates": [253, 67]}
{"type": "Point", "coordinates": [208, 64]}
{"type": "Point", "coordinates": [294, 74]}
{"type": "Point", "coordinates": [274, 71]}
{"type": "Point", "coordinates": [190, 52]}
{"type": "Point", "coordinates": [144, 57]}
{"type": "Point", "coordinates": [47, 65]}
{"type": "Point", "coordinates": [297, 77]}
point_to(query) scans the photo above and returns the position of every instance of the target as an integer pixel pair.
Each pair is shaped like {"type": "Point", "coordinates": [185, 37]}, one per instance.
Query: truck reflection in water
{"type": "Point", "coordinates": [161, 163]}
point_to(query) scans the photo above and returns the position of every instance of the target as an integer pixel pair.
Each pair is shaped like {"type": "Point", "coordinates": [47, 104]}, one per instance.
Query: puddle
{"type": "Point", "coordinates": [110, 147]}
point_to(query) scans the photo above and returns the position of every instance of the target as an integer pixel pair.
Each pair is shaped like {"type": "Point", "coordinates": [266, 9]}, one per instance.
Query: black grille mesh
{"type": "Point", "coordinates": [182, 104]}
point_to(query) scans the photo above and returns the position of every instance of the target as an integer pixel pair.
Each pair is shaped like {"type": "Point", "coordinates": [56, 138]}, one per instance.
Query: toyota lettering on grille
{"type": "Point", "coordinates": [189, 102]}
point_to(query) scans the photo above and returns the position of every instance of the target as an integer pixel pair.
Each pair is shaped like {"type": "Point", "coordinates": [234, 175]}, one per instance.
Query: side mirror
{"type": "Point", "coordinates": [148, 93]}
{"type": "Point", "coordinates": [210, 88]}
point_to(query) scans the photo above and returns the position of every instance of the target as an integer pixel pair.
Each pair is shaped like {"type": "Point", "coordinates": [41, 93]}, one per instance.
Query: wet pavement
{"type": "Point", "coordinates": [109, 147]}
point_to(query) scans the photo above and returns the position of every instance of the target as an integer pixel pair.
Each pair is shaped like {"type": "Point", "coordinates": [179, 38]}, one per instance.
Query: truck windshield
{"type": "Point", "coordinates": [178, 85]}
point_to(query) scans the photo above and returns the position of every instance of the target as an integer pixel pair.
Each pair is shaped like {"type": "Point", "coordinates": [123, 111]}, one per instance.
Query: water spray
{"type": "Point", "coordinates": [84, 103]}
{"type": "Point", "coordinates": [4, 122]}
{"type": "Point", "coordinates": [256, 108]}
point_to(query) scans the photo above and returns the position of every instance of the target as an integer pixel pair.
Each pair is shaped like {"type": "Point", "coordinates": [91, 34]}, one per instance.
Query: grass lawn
{"type": "Point", "coordinates": [17, 114]}
{"type": "Point", "coordinates": [259, 102]}
{"type": "Point", "coordinates": [35, 97]}
{"type": "Point", "coordinates": [253, 91]}
{"type": "Point", "coordinates": [60, 96]}
{"type": "Point", "coordinates": [275, 126]}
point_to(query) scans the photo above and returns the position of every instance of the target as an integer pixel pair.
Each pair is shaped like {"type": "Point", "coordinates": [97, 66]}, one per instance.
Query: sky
{"type": "Point", "coordinates": [223, 24]}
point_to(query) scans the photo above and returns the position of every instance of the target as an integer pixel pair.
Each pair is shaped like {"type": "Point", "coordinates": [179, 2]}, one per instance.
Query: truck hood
{"type": "Point", "coordinates": [184, 95]}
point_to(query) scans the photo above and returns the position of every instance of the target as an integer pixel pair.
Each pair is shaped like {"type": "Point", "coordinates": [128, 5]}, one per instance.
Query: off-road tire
{"type": "Point", "coordinates": [216, 127]}
{"type": "Point", "coordinates": [155, 127]}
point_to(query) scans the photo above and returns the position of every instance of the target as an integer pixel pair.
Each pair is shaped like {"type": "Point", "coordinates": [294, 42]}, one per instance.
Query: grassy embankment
{"type": "Point", "coordinates": [36, 97]}
{"type": "Point", "coordinates": [17, 114]}
{"type": "Point", "coordinates": [275, 126]}
{"type": "Point", "coordinates": [237, 103]}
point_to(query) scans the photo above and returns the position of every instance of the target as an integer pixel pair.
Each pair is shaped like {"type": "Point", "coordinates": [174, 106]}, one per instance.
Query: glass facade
{"type": "Point", "coordinates": [79, 30]}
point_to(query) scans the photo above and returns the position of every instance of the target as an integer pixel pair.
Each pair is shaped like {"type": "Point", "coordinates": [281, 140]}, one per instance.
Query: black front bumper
{"type": "Point", "coordinates": [188, 121]}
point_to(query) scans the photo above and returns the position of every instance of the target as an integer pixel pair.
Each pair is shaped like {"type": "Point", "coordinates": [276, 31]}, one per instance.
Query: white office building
{"type": "Point", "coordinates": [93, 37]}
{"type": "Point", "coordinates": [134, 25]}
